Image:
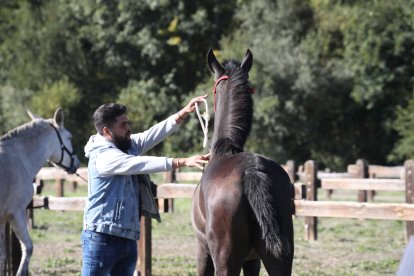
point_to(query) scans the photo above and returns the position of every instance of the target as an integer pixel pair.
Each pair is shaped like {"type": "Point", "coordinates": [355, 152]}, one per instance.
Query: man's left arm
{"type": "Point", "coordinates": [148, 139]}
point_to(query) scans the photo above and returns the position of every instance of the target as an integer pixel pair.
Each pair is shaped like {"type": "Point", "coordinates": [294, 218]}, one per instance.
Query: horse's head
{"type": "Point", "coordinates": [62, 155]}
{"type": "Point", "coordinates": [233, 103]}
{"type": "Point", "coordinates": [239, 73]}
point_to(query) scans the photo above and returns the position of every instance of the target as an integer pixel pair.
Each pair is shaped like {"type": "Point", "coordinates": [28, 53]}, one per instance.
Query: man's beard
{"type": "Point", "coordinates": [122, 143]}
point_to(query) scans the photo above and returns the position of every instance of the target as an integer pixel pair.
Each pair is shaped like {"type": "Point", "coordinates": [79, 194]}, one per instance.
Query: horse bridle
{"type": "Point", "coordinates": [225, 77]}
{"type": "Point", "coordinates": [64, 149]}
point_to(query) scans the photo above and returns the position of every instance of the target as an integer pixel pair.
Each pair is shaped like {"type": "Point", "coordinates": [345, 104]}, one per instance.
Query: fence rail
{"type": "Point", "coordinates": [342, 209]}
{"type": "Point", "coordinates": [52, 173]}
{"type": "Point", "coordinates": [370, 184]}
{"type": "Point", "coordinates": [304, 196]}
{"type": "Point", "coordinates": [338, 209]}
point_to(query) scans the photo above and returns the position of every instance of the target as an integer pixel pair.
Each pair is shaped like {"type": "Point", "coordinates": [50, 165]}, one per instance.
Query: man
{"type": "Point", "coordinates": [111, 219]}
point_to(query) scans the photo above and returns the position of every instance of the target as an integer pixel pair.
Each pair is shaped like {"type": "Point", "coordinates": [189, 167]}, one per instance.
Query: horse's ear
{"type": "Point", "coordinates": [247, 62]}
{"type": "Point", "coordinates": [32, 115]}
{"type": "Point", "coordinates": [58, 117]}
{"type": "Point", "coordinates": [214, 65]}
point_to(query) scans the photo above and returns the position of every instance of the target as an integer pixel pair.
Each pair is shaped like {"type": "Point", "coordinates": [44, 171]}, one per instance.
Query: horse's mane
{"type": "Point", "coordinates": [234, 111]}
{"type": "Point", "coordinates": [25, 130]}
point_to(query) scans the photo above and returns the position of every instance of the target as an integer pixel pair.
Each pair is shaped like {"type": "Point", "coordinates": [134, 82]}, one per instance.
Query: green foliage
{"type": "Point", "coordinates": [142, 96]}
{"type": "Point", "coordinates": [63, 94]}
{"type": "Point", "coordinates": [329, 75]}
{"type": "Point", "coordinates": [379, 51]}
{"type": "Point", "coordinates": [13, 105]}
{"type": "Point", "coordinates": [376, 47]}
{"type": "Point", "coordinates": [101, 48]}
{"type": "Point", "coordinates": [148, 102]}
{"type": "Point", "coordinates": [59, 94]}
{"type": "Point", "coordinates": [404, 148]}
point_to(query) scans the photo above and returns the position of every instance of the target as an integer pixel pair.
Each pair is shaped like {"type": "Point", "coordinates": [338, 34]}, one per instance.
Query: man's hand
{"type": "Point", "coordinates": [189, 108]}
{"type": "Point", "coordinates": [192, 161]}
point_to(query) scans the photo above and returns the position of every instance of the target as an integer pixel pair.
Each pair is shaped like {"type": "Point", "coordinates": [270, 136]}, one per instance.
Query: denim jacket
{"type": "Point", "coordinates": [113, 191]}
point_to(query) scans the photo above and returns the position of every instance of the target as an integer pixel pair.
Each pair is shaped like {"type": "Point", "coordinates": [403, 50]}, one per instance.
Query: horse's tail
{"type": "Point", "coordinates": [257, 188]}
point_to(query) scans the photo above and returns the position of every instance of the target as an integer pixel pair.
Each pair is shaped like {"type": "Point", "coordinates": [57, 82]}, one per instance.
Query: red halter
{"type": "Point", "coordinates": [225, 77]}
{"type": "Point", "coordinates": [215, 87]}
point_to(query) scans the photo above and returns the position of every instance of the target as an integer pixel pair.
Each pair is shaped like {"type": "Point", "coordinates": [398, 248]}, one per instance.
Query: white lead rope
{"type": "Point", "coordinates": [77, 174]}
{"type": "Point", "coordinates": [204, 124]}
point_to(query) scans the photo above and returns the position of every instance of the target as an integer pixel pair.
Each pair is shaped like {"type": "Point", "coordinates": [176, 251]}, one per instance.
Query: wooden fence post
{"type": "Point", "coordinates": [166, 205]}
{"type": "Point", "coordinates": [60, 187]}
{"type": "Point", "coordinates": [409, 193]}
{"type": "Point", "coordinates": [144, 248]}
{"type": "Point", "coordinates": [39, 186]}
{"type": "Point", "coordinates": [74, 186]}
{"type": "Point", "coordinates": [362, 173]}
{"type": "Point", "coordinates": [311, 223]}
{"type": "Point", "coordinates": [329, 192]}
{"type": "Point", "coordinates": [291, 170]}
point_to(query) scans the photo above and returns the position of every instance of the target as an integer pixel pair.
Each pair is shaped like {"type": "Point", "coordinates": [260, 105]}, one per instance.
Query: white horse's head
{"type": "Point", "coordinates": [62, 155]}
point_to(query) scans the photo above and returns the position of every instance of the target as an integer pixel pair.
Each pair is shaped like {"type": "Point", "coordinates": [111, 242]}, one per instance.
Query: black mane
{"type": "Point", "coordinates": [233, 118]}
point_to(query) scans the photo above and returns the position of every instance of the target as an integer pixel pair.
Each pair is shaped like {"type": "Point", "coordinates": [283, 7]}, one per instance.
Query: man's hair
{"type": "Point", "coordinates": [105, 115]}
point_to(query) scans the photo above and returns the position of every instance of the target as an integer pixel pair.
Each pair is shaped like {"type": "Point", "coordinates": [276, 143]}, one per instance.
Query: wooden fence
{"type": "Point", "coordinates": [363, 178]}
{"type": "Point", "coordinates": [60, 177]}
{"type": "Point", "coordinates": [304, 199]}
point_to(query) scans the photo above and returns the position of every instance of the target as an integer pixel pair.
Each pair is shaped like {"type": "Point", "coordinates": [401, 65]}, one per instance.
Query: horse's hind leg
{"type": "Point", "coordinates": [2, 248]}
{"type": "Point", "coordinates": [276, 266]}
{"type": "Point", "coordinates": [205, 264]}
{"type": "Point", "coordinates": [251, 267]}
{"type": "Point", "coordinates": [19, 225]}
{"type": "Point", "coordinates": [228, 248]}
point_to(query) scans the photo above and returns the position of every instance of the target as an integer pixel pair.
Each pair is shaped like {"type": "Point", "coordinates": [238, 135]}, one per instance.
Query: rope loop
{"type": "Point", "coordinates": [204, 124]}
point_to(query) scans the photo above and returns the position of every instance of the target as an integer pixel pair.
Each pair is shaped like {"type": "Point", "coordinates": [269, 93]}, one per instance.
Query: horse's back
{"type": "Point", "coordinates": [235, 167]}
{"type": "Point", "coordinates": [230, 172]}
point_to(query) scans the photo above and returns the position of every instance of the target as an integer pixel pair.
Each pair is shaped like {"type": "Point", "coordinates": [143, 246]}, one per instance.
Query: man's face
{"type": "Point", "coordinates": [121, 133]}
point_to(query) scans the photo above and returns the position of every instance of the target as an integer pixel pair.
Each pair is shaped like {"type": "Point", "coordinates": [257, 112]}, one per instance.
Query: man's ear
{"type": "Point", "coordinates": [106, 132]}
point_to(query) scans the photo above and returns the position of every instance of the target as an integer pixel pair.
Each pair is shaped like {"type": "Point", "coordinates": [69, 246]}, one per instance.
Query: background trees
{"type": "Point", "coordinates": [330, 75]}
{"type": "Point", "coordinates": [333, 78]}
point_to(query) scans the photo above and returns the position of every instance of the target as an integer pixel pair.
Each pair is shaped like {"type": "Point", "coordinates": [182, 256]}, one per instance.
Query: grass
{"type": "Point", "coordinates": [344, 246]}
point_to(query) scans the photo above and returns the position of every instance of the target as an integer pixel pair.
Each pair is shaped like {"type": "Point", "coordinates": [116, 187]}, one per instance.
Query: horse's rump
{"type": "Point", "coordinates": [261, 187]}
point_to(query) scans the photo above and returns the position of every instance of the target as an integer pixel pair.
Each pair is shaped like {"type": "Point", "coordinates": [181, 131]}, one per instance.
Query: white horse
{"type": "Point", "coordinates": [23, 152]}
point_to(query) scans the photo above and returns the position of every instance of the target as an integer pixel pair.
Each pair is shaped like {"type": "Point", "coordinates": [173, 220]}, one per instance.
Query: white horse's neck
{"type": "Point", "coordinates": [36, 143]}
{"type": "Point", "coordinates": [46, 142]}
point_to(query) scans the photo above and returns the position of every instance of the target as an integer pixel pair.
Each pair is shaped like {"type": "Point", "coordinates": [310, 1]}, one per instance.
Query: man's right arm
{"type": "Point", "coordinates": [115, 162]}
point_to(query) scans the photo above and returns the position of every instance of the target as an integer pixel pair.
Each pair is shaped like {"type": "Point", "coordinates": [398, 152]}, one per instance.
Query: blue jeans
{"type": "Point", "coordinates": [104, 254]}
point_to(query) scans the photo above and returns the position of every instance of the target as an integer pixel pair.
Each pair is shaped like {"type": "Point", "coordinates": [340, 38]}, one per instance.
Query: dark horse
{"type": "Point", "coordinates": [242, 208]}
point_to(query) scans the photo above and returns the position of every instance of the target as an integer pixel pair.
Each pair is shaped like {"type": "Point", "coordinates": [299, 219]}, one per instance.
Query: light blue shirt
{"type": "Point", "coordinates": [113, 195]}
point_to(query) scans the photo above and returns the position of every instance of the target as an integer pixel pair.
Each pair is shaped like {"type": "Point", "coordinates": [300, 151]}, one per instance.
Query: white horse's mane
{"type": "Point", "coordinates": [25, 129]}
